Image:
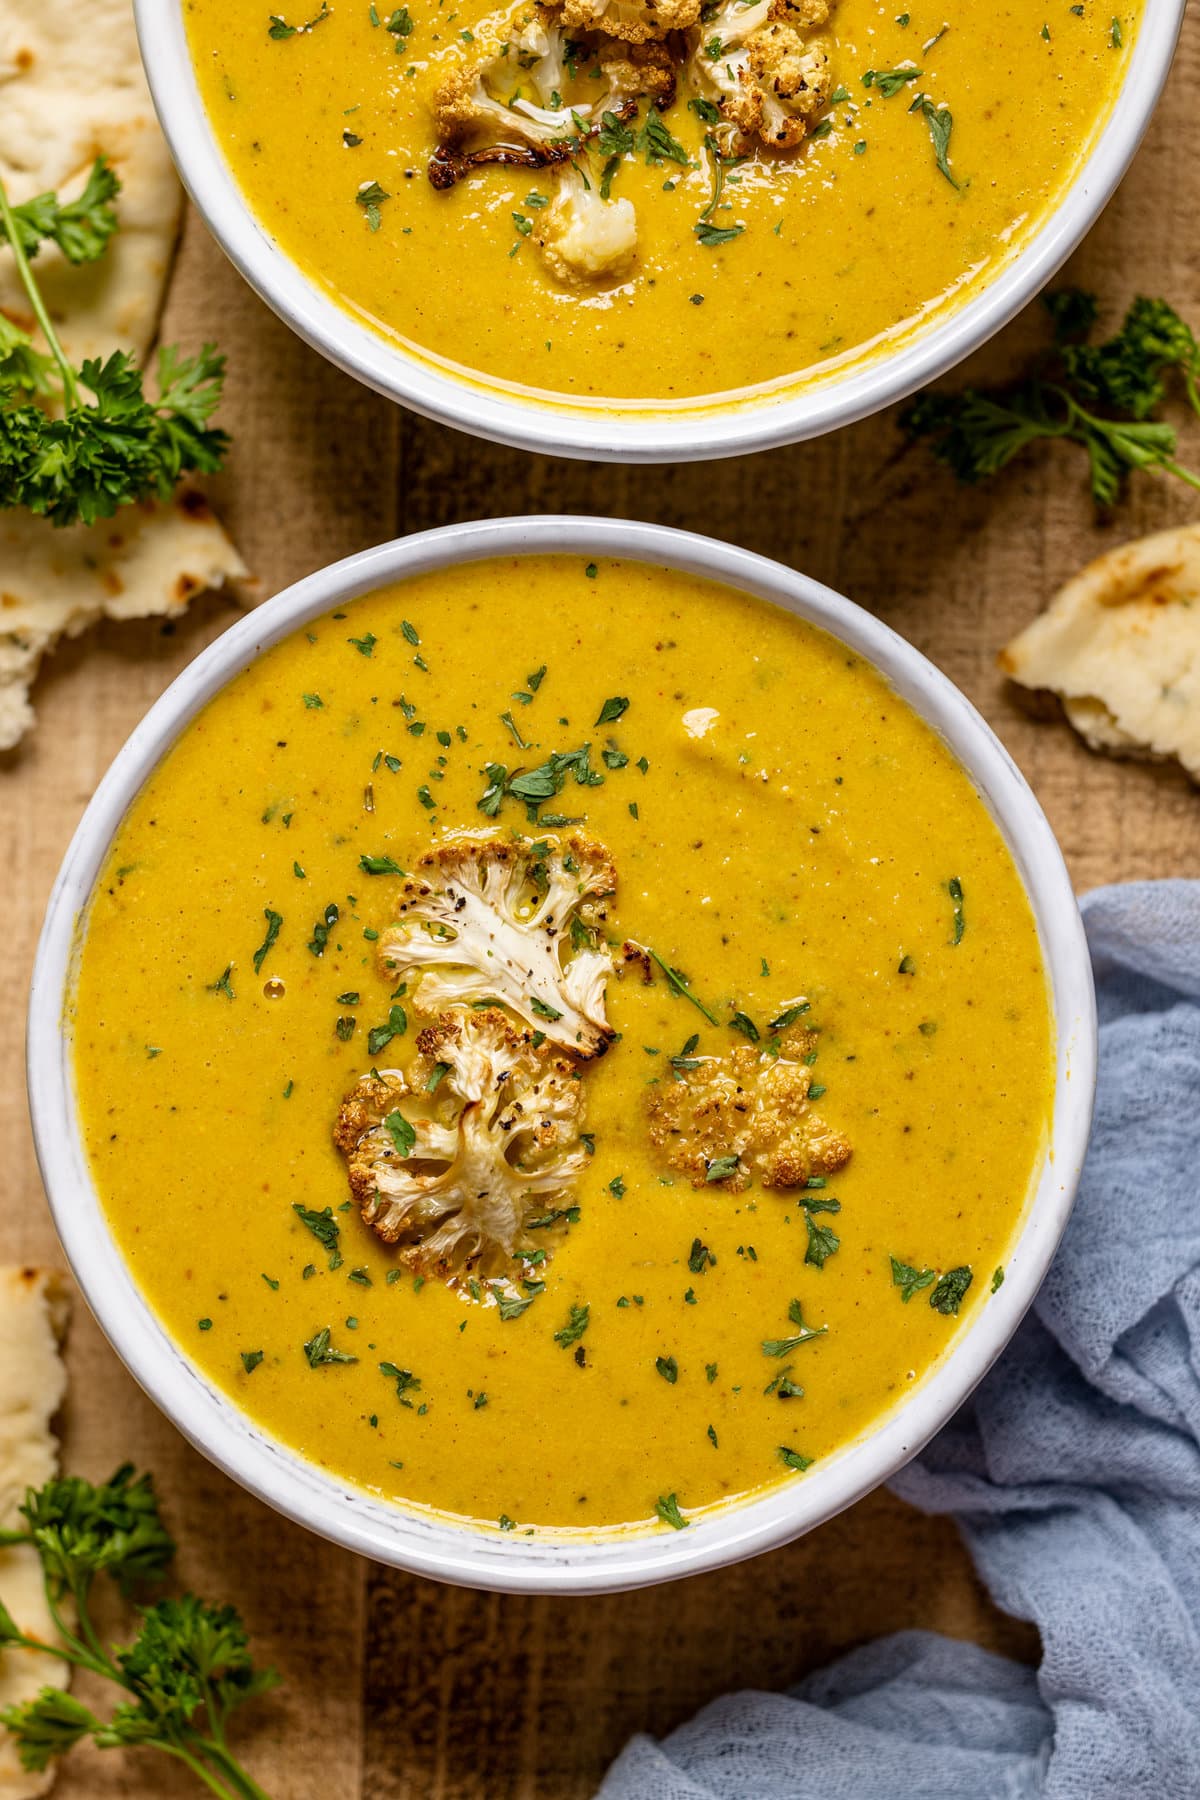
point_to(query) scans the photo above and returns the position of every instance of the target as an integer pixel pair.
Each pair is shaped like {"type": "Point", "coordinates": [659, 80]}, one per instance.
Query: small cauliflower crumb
{"type": "Point", "coordinates": [490, 919]}
{"type": "Point", "coordinates": [453, 1159]}
{"type": "Point", "coordinates": [583, 237]}
{"type": "Point", "coordinates": [750, 1105]}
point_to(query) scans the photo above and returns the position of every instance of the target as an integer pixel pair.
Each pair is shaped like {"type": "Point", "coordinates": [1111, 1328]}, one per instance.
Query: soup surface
{"type": "Point", "coordinates": [816, 895]}
{"type": "Point", "coordinates": [935, 145]}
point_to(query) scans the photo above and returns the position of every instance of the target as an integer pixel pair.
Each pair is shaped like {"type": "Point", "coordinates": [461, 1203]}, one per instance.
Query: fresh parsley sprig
{"type": "Point", "coordinates": [77, 443]}
{"type": "Point", "coordinates": [1100, 396]}
{"type": "Point", "coordinates": [184, 1674]}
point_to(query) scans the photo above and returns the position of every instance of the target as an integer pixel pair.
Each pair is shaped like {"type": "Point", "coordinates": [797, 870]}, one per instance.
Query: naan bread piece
{"type": "Point", "coordinates": [72, 89]}
{"type": "Point", "coordinates": [150, 559]}
{"type": "Point", "coordinates": [1120, 645]}
{"type": "Point", "coordinates": [33, 1321]}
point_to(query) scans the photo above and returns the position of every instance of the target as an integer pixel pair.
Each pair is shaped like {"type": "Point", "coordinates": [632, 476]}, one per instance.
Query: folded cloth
{"type": "Point", "coordinates": [1073, 1473]}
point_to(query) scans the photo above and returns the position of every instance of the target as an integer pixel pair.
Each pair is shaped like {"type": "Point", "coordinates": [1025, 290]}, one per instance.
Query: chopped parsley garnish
{"type": "Point", "coordinates": [823, 1241]}
{"type": "Point", "coordinates": [379, 865]}
{"type": "Point", "coordinates": [251, 1360]}
{"type": "Point", "coordinates": [223, 984]}
{"type": "Point", "coordinates": [658, 144]}
{"type": "Point", "coordinates": [401, 27]}
{"type": "Point", "coordinates": [274, 921]}
{"type": "Point", "coordinates": [889, 82]}
{"type": "Point", "coordinates": [711, 235]}
{"type": "Point", "coordinates": [613, 709]}
{"type": "Point", "coordinates": [321, 930]}
{"type": "Point", "coordinates": [364, 645]}
{"type": "Point", "coordinates": [950, 1291]}
{"type": "Point", "coordinates": [794, 1460]}
{"type": "Point", "coordinates": [910, 1280]}
{"type": "Point", "coordinates": [940, 121]}
{"type": "Point", "coordinates": [955, 891]}
{"type": "Point", "coordinates": [668, 1368]}
{"type": "Point", "coordinates": [575, 1327]}
{"type": "Point", "coordinates": [279, 29]}
{"type": "Point", "coordinates": [380, 1036]}
{"type": "Point", "coordinates": [370, 197]}
{"type": "Point", "coordinates": [745, 1024]}
{"type": "Point", "coordinates": [319, 1350]}
{"type": "Point", "coordinates": [566, 1214]}
{"type": "Point", "coordinates": [721, 1168]}
{"type": "Point", "coordinates": [681, 984]}
{"type": "Point", "coordinates": [406, 1382]}
{"type": "Point", "coordinates": [997, 1277]}
{"type": "Point", "coordinates": [616, 1187]}
{"type": "Point", "coordinates": [790, 1014]}
{"type": "Point", "coordinates": [402, 1134]}
{"type": "Point", "coordinates": [324, 1228]}
{"type": "Point", "coordinates": [667, 1509]}
{"type": "Point", "coordinates": [700, 1257]}
{"type": "Point", "coordinates": [511, 1306]}
{"type": "Point", "coordinates": [804, 1334]}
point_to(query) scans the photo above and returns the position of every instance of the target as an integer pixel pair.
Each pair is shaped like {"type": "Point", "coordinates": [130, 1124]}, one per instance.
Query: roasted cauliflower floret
{"type": "Point", "coordinates": [584, 238]}
{"type": "Point", "coordinates": [509, 102]}
{"type": "Point", "coordinates": [489, 918]}
{"type": "Point", "coordinates": [454, 1162]}
{"type": "Point", "coordinates": [752, 1105]}
{"type": "Point", "coordinates": [634, 21]}
{"type": "Point", "coordinates": [636, 71]}
{"type": "Point", "coordinates": [767, 74]}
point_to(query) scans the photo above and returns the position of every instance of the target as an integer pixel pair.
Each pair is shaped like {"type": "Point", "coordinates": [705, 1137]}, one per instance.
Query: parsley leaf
{"type": "Point", "coordinates": [575, 1327]}
{"type": "Point", "coordinates": [1100, 396]}
{"type": "Point", "coordinates": [804, 1334]}
{"type": "Point", "coordinates": [951, 1290]}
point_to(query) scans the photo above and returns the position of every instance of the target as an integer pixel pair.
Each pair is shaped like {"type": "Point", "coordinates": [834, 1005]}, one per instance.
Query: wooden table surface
{"type": "Point", "coordinates": [395, 1688]}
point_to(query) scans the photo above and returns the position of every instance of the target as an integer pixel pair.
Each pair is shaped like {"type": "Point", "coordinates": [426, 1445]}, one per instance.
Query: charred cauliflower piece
{"type": "Point", "coordinates": [751, 1105]}
{"type": "Point", "coordinates": [505, 104]}
{"type": "Point", "coordinates": [518, 100]}
{"type": "Point", "coordinates": [765, 71]}
{"type": "Point", "coordinates": [634, 21]}
{"type": "Point", "coordinates": [487, 918]}
{"type": "Point", "coordinates": [456, 1177]}
{"type": "Point", "coordinates": [583, 237]}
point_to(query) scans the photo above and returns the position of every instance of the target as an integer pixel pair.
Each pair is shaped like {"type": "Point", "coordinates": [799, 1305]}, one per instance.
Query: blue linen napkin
{"type": "Point", "coordinates": [1073, 1473]}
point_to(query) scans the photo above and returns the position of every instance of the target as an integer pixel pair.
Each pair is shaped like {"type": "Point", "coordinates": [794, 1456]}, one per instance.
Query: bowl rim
{"type": "Point", "coordinates": [463, 1553]}
{"type": "Point", "coordinates": [602, 433]}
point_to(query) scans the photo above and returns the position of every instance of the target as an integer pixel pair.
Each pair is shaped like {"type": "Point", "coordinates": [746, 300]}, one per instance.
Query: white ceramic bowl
{"type": "Point", "coordinates": [689, 432]}
{"type": "Point", "coordinates": [390, 1533]}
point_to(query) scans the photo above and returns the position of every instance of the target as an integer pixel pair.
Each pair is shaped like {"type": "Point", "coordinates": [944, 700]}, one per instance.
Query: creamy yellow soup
{"type": "Point", "coordinates": [784, 832]}
{"type": "Point", "coordinates": [808, 261]}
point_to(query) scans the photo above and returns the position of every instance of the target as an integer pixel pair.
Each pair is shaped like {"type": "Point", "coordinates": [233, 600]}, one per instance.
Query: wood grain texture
{"type": "Point", "coordinates": [397, 1689]}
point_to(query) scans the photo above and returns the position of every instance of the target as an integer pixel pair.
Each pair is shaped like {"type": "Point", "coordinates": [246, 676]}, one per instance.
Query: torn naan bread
{"type": "Point", "coordinates": [149, 560]}
{"type": "Point", "coordinates": [33, 1321]}
{"type": "Point", "coordinates": [72, 89]}
{"type": "Point", "coordinates": [1120, 646]}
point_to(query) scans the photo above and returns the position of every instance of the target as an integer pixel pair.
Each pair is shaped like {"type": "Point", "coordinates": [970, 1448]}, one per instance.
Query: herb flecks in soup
{"type": "Point", "coordinates": [531, 1283]}
{"type": "Point", "coordinates": [620, 202]}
